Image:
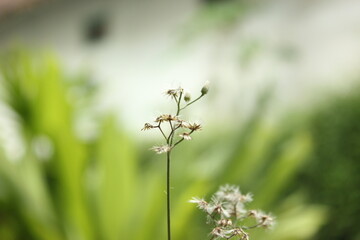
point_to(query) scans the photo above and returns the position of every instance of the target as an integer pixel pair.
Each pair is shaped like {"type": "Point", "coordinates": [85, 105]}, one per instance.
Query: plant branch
{"type": "Point", "coordinates": [192, 102]}
{"type": "Point", "coordinates": [162, 132]}
{"type": "Point", "coordinates": [251, 227]}
{"type": "Point", "coordinates": [172, 134]}
{"type": "Point", "coordinates": [177, 95]}
{"type": "Point", "coordinates": [183, 138]}
{"type": "Point", "coordinates": [178, 105]}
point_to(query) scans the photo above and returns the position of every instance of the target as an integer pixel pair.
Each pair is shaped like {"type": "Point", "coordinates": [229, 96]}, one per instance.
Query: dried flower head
{"type": "Point", "coordinates": [161, 149]}
{"type": "Point", "coordinates": [265, 220]}
{"type": "Point", "coordinates": [185, 136]}
{"type": "Point", "coordinates": [218, 232]}
{"type": "Point", "coordinates": [252, 213]}
{"type": "Point", "coordinates": [227, 212]}
{"type": "Point", "coordinates": [239, 232]}
{"type": "Point", "coordinates": [166, 118]}
{"type": "Point", "coordinates": [182, 124]}
{"type": "Point", "coordinates": [194, 126]}
{"type": "Point", "coordinates": [147, 126]}
{"type": "Point", "coordinates": [201, 203]}
{"type": "Point", "coordinates": [174, 93]}
{"type": "Point", "coordinates": [246, 198]}
{"type": "Point", "coordinates": [224, 222]}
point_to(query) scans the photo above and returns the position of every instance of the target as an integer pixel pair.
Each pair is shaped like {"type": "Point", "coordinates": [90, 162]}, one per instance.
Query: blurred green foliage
{"type": "Point", "coordinates": [332, 176]}
{"type": "Point", "coordinates": [107, 187]}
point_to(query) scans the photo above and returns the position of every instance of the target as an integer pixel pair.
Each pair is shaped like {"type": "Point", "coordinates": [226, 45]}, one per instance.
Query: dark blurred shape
{"type": "Point", "coordinates": [96, 28]}
{"type": "Point", "coordinates": [8, 7]}
{"type": "Point", "coordinates": [332, 175]}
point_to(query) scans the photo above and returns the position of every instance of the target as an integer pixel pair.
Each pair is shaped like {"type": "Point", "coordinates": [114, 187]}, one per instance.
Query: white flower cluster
{"type": "Point", "coordinates": [174, 121]}
{"type": "Point", "coordinates": [227, 212]}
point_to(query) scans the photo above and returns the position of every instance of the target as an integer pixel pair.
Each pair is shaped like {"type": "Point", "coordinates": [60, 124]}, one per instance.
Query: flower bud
{"type": "Point", "coordinates": [187, 97]}
{"type": "Point", "coordinates": [222, 222]}
{"type": "Point", "coordinates": [205, 88]}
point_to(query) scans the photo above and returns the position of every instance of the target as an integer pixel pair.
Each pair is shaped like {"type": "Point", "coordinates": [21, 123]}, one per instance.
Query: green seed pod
{"type": "Point", "coordinates": [187, 97]}
{"type": "Point", "coordinates": [205, 88]}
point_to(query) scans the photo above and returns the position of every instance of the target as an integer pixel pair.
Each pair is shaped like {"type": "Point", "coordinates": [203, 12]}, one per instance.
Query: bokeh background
{"type": "Point", "coordinates": [78, 79]}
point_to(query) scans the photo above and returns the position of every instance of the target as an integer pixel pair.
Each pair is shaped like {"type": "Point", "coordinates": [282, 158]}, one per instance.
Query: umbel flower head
{"type": "Point", "coordinates": [227, 213]}
{"type": "Point", "coordinates": [174, 122]}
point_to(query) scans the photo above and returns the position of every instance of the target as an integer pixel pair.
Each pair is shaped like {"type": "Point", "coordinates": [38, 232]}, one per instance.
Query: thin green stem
{"type": "Point", "coordinates": [173, 130]}
{"type": "Point", "coordinates": [162, 132]}
{"type": "Point", "coordinates": [171, 127]}
{"type": "Point", "coordinates": [168, 194]}
{"type": "Point", "coordinates": [251, 227]}
{"type": "Point", "coordinates": [168, 161]}
{"type": "Point", "coordinates": [178, 142]}
{"type": "Point", "coordinates": [178, 105]}
{"type": "Point", "coordinates": [169, 141]}
{"type": "Point", "coordinates": [172, 133]}
{"type": "Point", "coordinates": [191, 102]}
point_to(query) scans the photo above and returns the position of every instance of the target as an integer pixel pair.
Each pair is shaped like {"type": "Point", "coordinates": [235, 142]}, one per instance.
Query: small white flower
{"type": "Point", "coordinates": [174, 92]}
{"type": "Point", "coordinates": [182, 123]}
{"type": "Point", "coordinates": [199, 201]}
{"type": "Point", "coordinates": [253, 213]}
{"type": "Point", "coordinates": [147, 126]}
{"type": "Point", "coordinates": [239, 232]}
{"type": "Point", "coordinates": [224, 222]}
{"type": "Point", "coordinates": [219, 232]}
{"type": "Point", "coordinates": [240, 210]}
{"type": "Point", "coordinates": [228, 205]}
{"type": "Point", "coordinates": [264, 220]}
{"type": "Point", "coordinates": [221, 210]}
{"type": "Point", "coordinates": [267, 221]}
{"type": "Point", "coordinates": [194, 126]}
{"type": "Point", "coordinates": [246, 198]}
{"type": "Point", "coordinates": [161, 149]}
{"type": "Point", "coordinates": [185, 136]}
{"type": "Point", "coordinates": [228, 192]}
{"type": "Point", "coordinates": [166, 118]}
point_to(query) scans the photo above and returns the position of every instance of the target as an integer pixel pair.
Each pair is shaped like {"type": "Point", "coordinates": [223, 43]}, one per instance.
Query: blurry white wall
{"type": "Point", "coordinates": [302, 47]}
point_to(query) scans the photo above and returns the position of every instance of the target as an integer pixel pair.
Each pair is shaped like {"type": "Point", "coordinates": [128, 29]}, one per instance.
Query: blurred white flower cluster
{"type": "Point", "coordinates": [227, 213]}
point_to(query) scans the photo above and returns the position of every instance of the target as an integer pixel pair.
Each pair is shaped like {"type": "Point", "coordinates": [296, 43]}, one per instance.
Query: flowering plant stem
{"type": "Point", "coordinates": [168, 195]}
{"type": "Point", "coordinates": [175, 123]}
{"type": "Point", "coordinates": [169, 141]}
